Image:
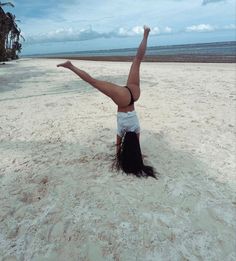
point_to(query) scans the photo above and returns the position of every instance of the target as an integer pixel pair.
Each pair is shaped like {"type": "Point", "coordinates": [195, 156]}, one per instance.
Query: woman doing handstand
{"type": "Point", "coordinates": [128, 154]}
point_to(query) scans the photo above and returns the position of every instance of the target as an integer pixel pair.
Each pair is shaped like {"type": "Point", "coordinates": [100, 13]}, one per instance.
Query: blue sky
{"type": "Point", "coordinates": [78, 25]}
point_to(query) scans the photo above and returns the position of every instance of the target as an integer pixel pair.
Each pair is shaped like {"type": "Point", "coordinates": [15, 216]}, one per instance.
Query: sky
{"type": "Point", "coordinates": [51, 26]}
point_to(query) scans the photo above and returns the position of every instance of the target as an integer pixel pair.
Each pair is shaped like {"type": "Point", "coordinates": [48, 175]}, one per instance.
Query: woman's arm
{"type": "Point", "coordinates": [118, 143]}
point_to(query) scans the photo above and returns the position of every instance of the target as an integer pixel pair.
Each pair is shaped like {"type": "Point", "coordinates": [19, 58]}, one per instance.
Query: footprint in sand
{"type": "Point", "coordinates": [37, 194]}
{"type": "Point", "coordinates": [66, 230]}
{"type": "Point", "coordinates": [44, 181]}
{"type": "Point", "coordinates": [213, 214]}
{"type": "Point", "coordinates": [51, 104]}
{"type": "Point", "coordinates": [56, 232]}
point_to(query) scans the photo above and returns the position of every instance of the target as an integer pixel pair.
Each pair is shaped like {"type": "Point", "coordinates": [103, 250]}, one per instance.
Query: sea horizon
{"type": "Point", "coordinates": [224, 48]}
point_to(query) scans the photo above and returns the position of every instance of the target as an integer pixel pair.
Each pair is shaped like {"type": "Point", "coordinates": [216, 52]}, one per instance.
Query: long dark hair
{"type": "Point", "coordinates": [129, 157]}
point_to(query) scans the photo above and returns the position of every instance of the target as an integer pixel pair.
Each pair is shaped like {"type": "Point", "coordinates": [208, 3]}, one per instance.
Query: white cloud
{"type": "Point", "coordinates": [64, 35]}
{"type": "Point", "coordinates": [70, 34]}
{"type": "Point", "coordinates": [138, 30]}
{"type": "Point", "coordinates": [200, 28]}
{"type": "Point", "coordinates": [208, 28]}
{"type": "Point", "coordinates": [230, 27]}
{"type": "Point", "coordinates": [155, 31]}
{"type": "Point", "coordinates": [124, 32]}
{"type": "Point", "coordinates": [168, 29]}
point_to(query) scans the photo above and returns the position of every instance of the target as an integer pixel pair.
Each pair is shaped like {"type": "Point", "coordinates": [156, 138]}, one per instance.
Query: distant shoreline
{"type": "Point", "coordinates": [220, 52]}
{"type": "Point", "coordinates": [152, 58]}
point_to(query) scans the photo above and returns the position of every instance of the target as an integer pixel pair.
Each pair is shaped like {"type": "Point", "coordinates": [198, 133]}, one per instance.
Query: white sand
{"type": "Point", "coordinates": [59, 198]}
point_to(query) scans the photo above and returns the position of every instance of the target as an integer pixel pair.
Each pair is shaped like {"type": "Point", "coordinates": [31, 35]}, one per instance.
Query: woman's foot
{"type": "Point", "coordinates": [67, 65]}
{"type": "Point", "coordinates": [146, 31]}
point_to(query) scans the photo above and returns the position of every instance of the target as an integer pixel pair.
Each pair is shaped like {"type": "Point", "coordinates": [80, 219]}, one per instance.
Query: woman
{"type": "Point", "coordinates": [129, 157]}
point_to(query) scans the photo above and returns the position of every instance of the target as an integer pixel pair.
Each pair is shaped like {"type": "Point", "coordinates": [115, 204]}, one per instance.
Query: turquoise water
{"type": "Point", "coordinates": [221, 48]}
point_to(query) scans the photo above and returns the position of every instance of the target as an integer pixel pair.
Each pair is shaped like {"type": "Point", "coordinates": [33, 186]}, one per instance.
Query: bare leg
{"type": "Point", "coordinates": [133, 81]}
{"type": "Point", "coordinates": [117, 93]}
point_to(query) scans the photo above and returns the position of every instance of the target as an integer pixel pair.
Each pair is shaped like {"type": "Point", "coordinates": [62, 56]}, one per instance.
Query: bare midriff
{"type": "Point", "coordinates": [126, 109]}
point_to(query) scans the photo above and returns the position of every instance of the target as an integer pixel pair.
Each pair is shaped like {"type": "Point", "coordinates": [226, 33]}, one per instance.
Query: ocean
{"type": "Point", "coordinates": [207, 49]}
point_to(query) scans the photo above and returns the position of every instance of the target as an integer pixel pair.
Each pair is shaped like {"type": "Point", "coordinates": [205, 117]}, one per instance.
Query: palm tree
{"type": "Point", "coordinates": [9, 34]}
{"type": "Point", "coordinates": [8, 3]}
{"type": "Point", "coordinates": [13, 36]}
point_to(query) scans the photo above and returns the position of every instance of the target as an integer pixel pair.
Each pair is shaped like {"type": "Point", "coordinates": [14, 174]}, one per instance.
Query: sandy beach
{"type": "Point", "coordinates": [60, 199]}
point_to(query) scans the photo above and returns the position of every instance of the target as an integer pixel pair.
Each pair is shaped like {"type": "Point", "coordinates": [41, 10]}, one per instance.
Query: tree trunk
{"type": "Point", "coordinates": [3, 55]}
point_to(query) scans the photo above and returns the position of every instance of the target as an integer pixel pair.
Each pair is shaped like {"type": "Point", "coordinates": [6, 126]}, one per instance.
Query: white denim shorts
{"type": "Point", "coordinates": [127, 121]}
